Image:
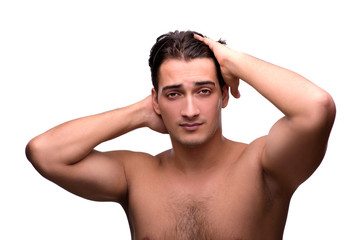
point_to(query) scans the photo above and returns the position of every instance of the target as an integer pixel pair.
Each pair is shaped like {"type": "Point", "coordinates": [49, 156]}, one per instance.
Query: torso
{"type": "Point", "coordinates": [233, 202]}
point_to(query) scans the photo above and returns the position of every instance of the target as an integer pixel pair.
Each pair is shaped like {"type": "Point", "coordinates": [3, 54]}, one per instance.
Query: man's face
{"type": "Point", "coordinates": [190, 99]}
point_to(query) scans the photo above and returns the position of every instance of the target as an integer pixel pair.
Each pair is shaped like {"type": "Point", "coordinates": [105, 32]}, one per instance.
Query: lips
{"type": "Point", "coordinates": [190, 126]}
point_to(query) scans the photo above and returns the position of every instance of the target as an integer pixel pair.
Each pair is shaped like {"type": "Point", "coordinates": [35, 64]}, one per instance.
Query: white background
{"type": "Point", "coordinates": [61, 60]}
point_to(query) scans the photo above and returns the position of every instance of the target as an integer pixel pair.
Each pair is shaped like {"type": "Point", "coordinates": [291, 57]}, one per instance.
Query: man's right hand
{"type": "Point", "coordinates": [152, 119]}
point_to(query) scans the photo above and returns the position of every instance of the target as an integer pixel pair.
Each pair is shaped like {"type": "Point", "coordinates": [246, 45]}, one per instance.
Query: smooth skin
{"type": "Point", "coordinates": [206, 186]}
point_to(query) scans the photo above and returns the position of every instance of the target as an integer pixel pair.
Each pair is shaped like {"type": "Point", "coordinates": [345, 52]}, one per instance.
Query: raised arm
{"type": "Point", "coordinates": [296, 144]}
{"type": "Point", "coordinates": [66, 155]}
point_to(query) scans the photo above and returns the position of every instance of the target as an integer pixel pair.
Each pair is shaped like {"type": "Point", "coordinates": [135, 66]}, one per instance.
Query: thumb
{"type": "Point", "coordinates": [234, 89]}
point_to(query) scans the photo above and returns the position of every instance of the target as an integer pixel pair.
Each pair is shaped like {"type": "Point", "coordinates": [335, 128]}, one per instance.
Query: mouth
{"type": "Point", "coordinates": [190, 126]}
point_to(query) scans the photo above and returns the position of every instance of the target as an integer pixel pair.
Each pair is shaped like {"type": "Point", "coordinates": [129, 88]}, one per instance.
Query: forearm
{"type": "Point", "coordinates": [288, 91]}
{"type": "Point", "coordinates": [72, 141]}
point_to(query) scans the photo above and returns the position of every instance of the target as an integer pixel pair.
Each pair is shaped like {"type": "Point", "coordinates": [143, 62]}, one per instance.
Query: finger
{"type": "Point", "coordinates": [236, 93]}
{"type": "Point", "coordinates": [205, 40]}
{"type": "Point", "coordinates": [198, 37]}
{"type": "Point", "coordinates": [234, 89]}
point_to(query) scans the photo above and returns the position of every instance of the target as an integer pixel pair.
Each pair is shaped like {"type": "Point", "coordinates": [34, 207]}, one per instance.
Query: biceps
{"type": "Point", "coordinates": [99, 177]}
{"type": "Point", "coordinates": [293, 151]}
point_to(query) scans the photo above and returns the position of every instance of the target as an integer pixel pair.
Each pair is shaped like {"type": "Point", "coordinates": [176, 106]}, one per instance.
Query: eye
{"type": "Point", "coordinates": [205, 91]}
{"type": "Point", "coordinates": [172, 95]}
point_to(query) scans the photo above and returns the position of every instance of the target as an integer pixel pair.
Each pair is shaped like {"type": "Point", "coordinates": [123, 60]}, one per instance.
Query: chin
{"type": "Point", "coordinates": [192, 141]}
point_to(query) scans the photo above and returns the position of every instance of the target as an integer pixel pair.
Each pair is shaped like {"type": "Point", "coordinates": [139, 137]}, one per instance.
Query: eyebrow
{"type": "Point", "coordinates": [175, 86]}
{"type": "Point", "coordinates": [204, 83]}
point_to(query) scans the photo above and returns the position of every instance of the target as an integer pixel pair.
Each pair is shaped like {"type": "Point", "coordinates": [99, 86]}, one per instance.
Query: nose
{"type": "Point", "coordinates": [190, 109]}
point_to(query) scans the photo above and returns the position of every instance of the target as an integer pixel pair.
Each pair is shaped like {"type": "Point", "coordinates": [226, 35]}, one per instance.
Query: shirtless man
{"type": "Point", "coordinates": [206, 186]}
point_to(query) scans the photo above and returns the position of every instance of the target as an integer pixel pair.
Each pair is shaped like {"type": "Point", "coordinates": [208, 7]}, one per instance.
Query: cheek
{"type": "Point", "coordinates": [212, 107]}
{"type": "Point", "coordinates": [168, 112]}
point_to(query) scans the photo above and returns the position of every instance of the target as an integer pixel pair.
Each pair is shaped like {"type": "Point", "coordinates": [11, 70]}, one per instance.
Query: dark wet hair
{"type": "Point", "coordinates": [179, 45]}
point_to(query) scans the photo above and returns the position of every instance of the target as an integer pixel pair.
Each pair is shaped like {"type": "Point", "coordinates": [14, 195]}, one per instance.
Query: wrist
{"type": "Point", "coordinates": [142, 113]}
{"type": "Point", "coordinates": [137, 115]}
{"type": "Point", "coordinates": [148, 117]}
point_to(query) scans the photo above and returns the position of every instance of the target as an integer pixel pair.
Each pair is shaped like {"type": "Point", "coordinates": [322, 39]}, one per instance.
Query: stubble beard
{"type": "Point", "coordinates": [194, 142]}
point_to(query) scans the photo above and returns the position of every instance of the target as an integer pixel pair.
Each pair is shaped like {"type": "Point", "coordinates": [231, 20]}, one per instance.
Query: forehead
{"type": "Point", "coordinates": [178, 71]}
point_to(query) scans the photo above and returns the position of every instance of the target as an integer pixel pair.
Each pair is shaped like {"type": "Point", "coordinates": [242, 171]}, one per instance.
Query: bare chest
{"type": "Point", "coordinates": [223, 207]}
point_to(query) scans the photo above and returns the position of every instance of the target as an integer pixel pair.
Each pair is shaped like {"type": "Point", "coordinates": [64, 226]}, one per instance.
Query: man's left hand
{"type": "Point", "coordinates": [227, 60]}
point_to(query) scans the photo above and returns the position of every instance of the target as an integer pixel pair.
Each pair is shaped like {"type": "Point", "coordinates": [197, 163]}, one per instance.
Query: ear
{"type": "Point", "coordinates": [225, 96]}
{"type": "Point", "coordinates": [155, 102]}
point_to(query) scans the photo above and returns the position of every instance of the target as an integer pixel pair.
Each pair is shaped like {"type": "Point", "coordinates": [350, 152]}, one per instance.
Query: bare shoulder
{"type": "Point", "coordinates": [250, 151]}
{"type": "Point", "coordinates": [255, 151]}
{"type": "Point", "coordinates": [258, 144]}
{"type": "Point", "coordinates": [249, 162]}
{"type": "Point", "coordinates": [138, 162]}
{"type": "Point", "coordinates": [133, 159]}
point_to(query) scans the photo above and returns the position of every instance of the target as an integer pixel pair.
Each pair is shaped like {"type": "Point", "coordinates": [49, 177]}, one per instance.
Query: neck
{"type": "Point", "coordinates": [200, 157]}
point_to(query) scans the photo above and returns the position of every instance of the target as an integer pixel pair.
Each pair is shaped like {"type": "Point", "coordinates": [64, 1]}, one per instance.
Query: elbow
{"type": "Point", "coordinates": [328, 106]}
{"type": "Point", "coordinates": [35, 153]}
{"type": "Point", "coordinates": [324, 109]}
{"type": "Point", "coordinates": [31, 149]}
